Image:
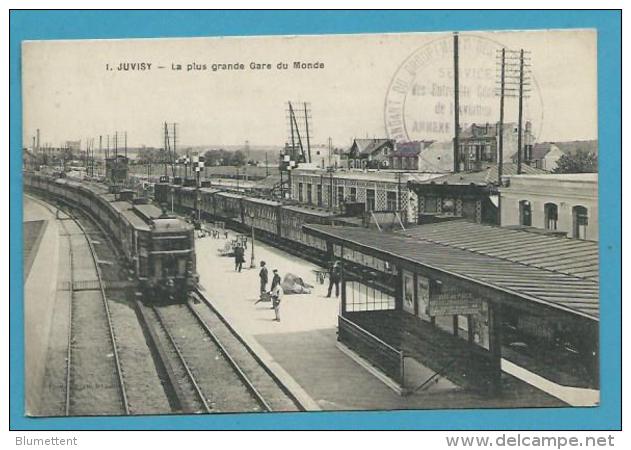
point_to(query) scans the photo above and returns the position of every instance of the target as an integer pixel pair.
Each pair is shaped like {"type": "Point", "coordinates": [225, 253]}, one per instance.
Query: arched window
{"type": "Point", "coordinates": [525, 213]}
{"type": "Point", "coordinates": [580, 222]}
{"type": "Point", "coordinates": [551, 212]}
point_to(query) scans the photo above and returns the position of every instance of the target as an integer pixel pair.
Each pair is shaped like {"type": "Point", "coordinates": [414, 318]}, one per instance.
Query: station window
{"type": "Point", "coordinates": [352, 196]}
{"type": "Point", "coordinates": [580, 222]}
{"type": "Point", "coordinates": [360, 297]}
{"type": "Point", "coordinates": [431, 204]}
{"type": "Point", "coordinates": [319, 194]}
{"type": "Point", "coordinates": [309, 193]}
{"type": "Point", "coordinates": [391, 201]}
{"type": "Point", "coordinates": [370, 199]}
{"type": "Point", "coordinates": [340, 195]}
{"type": "Point", "coordinates": [551, 212]}
{"type": "Point", "coordinates": [300, 195]}
{"type": "Point", "coordinates": [525, 213]}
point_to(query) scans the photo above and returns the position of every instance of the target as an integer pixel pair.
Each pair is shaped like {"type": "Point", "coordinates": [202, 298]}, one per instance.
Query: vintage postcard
{"type": "Point", "coordinates": [311, 223]}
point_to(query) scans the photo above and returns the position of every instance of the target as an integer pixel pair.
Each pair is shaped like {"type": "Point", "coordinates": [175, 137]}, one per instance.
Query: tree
{"type": "Point", "coordinates": [579, 162]}
{"type": "Point", "coordinates": [239, 158]}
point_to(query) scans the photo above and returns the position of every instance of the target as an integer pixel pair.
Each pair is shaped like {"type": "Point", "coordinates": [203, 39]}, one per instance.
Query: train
{"type": "Point", "coordinates": [159, 248]}
{"type": "Point", "coordinates": [277, 222]}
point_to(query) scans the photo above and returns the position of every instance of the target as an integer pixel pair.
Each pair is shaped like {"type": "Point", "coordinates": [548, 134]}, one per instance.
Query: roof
{"type": "Point", "coordinates": [229, 194]}
{"type": "Point", "coordinates": [171, 224]}
{"type": "Point", "coordinates": [573, 147]}
{"type": "Point", "coordinates": [583, 177]}
{"type": "Point", "coordinates": [268, 182]}
{"type": "Point", "coordinates": [480, 130]}
{"type": "Point", "coordinates": [370, 175]}
{"type": "Point", "coordinates": [412, 148]}
{"type": "Point", "coordinates": [438, 157]}
{"type": "Point", "coordinates": [148, 211]}
{"type": "Point", "coordinates": [263, 201]}
{"type": "Point", "coordinates": [208, 190]}
{"type": "Point", "coordinates": [314, 211]}
{"type": "Point", "coordinates": [487, 175]}
{"type": "Point", "coordinates": [125, 209]}
{"type": "Point", "coordinates": [489, 267]}
{"type": "Point", "coordinates": [559, 254]}
{"type": "Point", "coordinates": [540, 150]}
{"type": "Point", "coordinates": [368, 146]}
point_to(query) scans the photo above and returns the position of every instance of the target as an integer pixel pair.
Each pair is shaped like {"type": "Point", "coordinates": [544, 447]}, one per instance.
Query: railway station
{"type": "Point", "coordinates": [460, 298]}
{"type": "Point", "coordinates": [448, 314]}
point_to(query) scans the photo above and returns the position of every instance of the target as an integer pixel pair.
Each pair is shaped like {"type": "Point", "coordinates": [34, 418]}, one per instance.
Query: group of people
{"type": "Point", "coordinates": [275, 292]}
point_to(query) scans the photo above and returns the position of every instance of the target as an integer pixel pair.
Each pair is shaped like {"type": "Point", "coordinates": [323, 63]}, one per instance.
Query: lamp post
{"type": "Point", "coordinates": [252, 216]}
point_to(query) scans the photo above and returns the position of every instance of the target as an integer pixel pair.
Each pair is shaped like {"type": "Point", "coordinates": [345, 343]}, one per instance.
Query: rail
{"type": "Point", "coordinates": [69, 350]}
{"type": "Point", "coordinates": [246, 380]}
{"type": "Point", "coordinates": [249, 349]}
{"type": "Point", "coordinates": [381, 354]}
{"type": "Point", "coordinates": [189, 373]}
{"type": "Point", "coordinates": [119, 371]}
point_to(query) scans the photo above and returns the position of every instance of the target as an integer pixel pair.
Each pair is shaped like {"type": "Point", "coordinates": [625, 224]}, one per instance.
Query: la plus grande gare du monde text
{"type": "Point", "coordinates": [144, 66]}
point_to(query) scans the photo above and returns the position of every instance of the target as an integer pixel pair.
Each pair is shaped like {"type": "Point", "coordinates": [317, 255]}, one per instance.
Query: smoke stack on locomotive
{"type": "Point", "coordinates": [159, 249]}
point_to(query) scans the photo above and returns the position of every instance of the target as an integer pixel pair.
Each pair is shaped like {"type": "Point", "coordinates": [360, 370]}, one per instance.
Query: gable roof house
{"type": "Point", "coordinates": [546, 154]}
{"type": "Point", "coordinates": [370, 153]}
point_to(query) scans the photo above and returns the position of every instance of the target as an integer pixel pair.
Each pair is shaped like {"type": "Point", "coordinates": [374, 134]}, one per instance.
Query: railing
{"type": "Point", "coordinates": [379, 353]}
{"type": "Point", "coordinates": [434, 377]}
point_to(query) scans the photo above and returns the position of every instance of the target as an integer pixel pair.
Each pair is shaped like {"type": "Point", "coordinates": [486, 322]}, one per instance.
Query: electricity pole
{"type": "Point", "coordinates": [456, 107]}
{"type": "Point", "coordinates": [514, 82]}
{"type": "Point", "coordinates": [501, 124]}
{"type": "Point", "coordinates": [521, 108]}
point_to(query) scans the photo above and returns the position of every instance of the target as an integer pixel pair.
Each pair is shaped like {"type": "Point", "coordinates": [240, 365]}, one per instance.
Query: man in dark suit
{"type": "Point", "coordinates": [263, 277]}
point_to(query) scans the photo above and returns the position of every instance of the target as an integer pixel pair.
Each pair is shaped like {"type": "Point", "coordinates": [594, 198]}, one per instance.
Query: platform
{"type": "Point", "coordinates": [304, 342]}
{"type": "Point", "coordinates": [41, 262]}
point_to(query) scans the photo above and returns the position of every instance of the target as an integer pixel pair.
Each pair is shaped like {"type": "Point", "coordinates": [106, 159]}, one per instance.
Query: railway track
{"type": "Point", "coordinates": [185, 393]}
{"type": "Point", "coordinates": [94, 382]}
{"type": "Point", "coordinates": [269, 387]}
{"type": "Point", "coordinates": [207, 366]}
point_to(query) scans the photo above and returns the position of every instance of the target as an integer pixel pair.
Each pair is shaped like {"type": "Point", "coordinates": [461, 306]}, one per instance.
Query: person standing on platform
{"type": "Point", "coordinates": [275, 279]}
{"type": "Point", "coordinates": [334, 279]}
{"type": "Point", "coordinates": [263, 277]}
{"type": "Point", "coordinates": [239, 258]}
{"type": "Point", "coordinates": [277, 295]}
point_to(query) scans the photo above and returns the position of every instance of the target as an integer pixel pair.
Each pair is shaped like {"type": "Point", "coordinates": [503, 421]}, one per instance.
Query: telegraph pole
{"type": "Point", "coordinates": [330, 147]}
{"type": "Point", "coordinates": [100, 145]}
{"type": "Point", "coordinates": [501, 124]}
{"type": "Point", "coordinates": [514, 82]}
{"type": "Point", "coordinates": [166, 135]}
{"type": "Point", "coordinates": [266, 166]}
{"type": "Point", "coordinates": [456, 106]}
{"type": "Point", "coordinates": [175, 143]}
{"type": "Point", "coordinates": [521, 103]}
{"type": "Point", "coordinates": [307, 131]}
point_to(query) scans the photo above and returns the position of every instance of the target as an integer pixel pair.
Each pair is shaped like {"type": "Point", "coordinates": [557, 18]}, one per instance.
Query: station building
{"type": "Point", "coordinates": [457, 300]}
{"type": "Point", "coordinates": [370, 190]}
{"type": "Point", "coordinates": [471, 195]}
{"type": "Point", "coordinates": [556, 203]}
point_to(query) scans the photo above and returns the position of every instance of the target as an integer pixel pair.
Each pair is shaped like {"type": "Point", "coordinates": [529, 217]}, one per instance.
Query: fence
{"type": "Point", "coordinates": [379, 353]}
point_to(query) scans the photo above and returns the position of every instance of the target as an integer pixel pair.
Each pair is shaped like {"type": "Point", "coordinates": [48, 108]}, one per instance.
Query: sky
{"type": "Point", "coordinates": [363, 86]}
